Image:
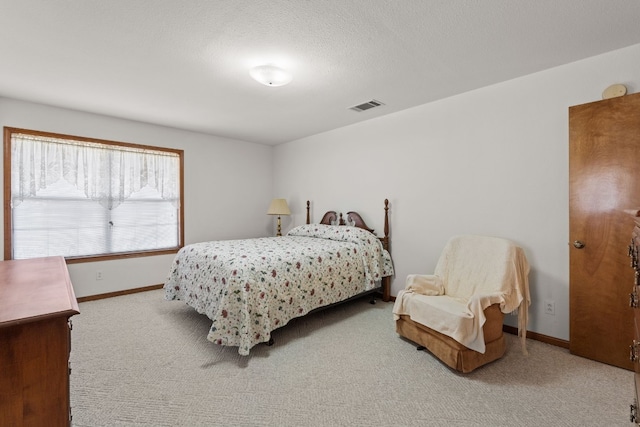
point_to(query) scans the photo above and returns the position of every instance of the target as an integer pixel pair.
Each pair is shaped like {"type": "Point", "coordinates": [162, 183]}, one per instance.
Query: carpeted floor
{"type": "Point", "coordinates": [138, 360]}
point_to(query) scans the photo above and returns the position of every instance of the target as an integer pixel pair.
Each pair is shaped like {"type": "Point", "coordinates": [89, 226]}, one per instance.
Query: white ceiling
{"type": "Point", "coordinates": [186, 64]}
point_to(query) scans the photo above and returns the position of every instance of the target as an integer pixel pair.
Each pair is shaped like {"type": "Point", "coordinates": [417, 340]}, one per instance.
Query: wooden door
{"type": "Point", "coordinates": [604, 180]}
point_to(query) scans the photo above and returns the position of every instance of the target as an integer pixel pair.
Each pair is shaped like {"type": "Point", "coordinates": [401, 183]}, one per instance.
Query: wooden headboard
{"type": "Point", "coordinates": [354, 218]}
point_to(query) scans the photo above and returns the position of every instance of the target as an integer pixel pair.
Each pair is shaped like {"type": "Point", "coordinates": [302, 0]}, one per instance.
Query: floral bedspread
{"type": "Point", "coordinates": [250, 287]}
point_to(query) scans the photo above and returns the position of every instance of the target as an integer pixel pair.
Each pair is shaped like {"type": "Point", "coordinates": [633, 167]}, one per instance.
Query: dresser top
{"type": "Point", "coordinates": [33, 289]}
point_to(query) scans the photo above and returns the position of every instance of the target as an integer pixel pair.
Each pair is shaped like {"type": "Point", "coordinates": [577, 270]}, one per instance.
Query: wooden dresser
{"type": "Point", "coordinates": [634, 302]}
{"type": "Point", "coordinates": [36, 302]}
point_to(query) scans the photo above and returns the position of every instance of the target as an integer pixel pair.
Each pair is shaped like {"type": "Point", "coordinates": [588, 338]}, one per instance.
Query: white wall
{"type": "Point", "coordinates": [492, 161]}
{"type": "Point", "coordinates": [227, 186]}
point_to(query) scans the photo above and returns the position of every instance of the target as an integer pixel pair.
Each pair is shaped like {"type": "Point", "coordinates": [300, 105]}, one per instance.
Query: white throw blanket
{"type": "Point", "coordinates": [472, 273]}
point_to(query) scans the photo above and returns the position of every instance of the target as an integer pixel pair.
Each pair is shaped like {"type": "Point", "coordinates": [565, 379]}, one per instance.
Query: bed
{"type": "Point", "coordinates": [250, 287]}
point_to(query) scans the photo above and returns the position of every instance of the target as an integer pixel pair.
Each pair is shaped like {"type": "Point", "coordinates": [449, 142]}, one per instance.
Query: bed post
{"type": "Point", "coordinates": [386, 221]}
{"type": "Point", "coordinates": [385, 239]}
{"type": "Point", "coordinates": [308, 218]}
{"type": "Point", "coordinates": [386, 281]}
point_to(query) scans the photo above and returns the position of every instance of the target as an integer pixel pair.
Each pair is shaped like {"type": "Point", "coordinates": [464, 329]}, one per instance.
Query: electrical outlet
{"type": "Point", "coordinates": [550, 307]}
{"type": "Point", "coordinates": [98, 275]}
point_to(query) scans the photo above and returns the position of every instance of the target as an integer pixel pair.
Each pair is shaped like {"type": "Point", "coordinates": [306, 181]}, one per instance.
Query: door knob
{"type": "Point", "coordinates": [578, 244]}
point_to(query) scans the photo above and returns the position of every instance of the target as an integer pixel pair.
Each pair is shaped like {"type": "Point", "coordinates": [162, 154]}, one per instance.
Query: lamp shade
{"type": "Point", "coordinates": [278, 207]}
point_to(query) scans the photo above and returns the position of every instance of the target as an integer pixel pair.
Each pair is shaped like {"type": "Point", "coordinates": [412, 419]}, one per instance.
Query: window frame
{"type": "Point", "coordinates": [8, 220]}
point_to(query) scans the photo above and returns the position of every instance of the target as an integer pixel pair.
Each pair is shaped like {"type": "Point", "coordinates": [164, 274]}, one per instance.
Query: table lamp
{"type": "Point", "coordinates": [279, 207]}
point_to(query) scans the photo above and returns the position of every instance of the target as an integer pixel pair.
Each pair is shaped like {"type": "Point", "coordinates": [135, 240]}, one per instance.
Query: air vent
{"type": "Point", "coordinates": [367, 105]}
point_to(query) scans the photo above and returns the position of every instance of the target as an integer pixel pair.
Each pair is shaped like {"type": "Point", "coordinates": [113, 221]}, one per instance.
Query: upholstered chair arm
{"type": "Point", "coordinates": [425, 284]}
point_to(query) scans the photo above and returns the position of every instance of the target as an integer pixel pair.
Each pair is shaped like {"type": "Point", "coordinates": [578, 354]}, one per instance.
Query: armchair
{"type": "Point", "coordinates": [457, 312]}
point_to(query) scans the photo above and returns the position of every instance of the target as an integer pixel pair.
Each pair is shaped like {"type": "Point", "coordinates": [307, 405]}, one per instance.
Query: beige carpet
{"type": "Point", "coordinates": [138, 360]}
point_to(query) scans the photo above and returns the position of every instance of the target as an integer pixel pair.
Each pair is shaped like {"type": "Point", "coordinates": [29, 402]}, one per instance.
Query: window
{"type": "Point", "coordinates": [86, 198]}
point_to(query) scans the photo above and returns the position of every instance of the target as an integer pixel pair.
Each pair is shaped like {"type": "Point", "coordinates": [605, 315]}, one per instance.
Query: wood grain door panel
{"type": "Point", "coordinates": [604, 180]}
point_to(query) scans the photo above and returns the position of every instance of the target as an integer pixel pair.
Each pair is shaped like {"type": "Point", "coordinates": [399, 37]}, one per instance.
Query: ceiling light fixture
{"type": "Point", "coordinates": [270, 75]}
